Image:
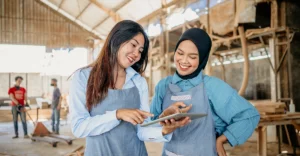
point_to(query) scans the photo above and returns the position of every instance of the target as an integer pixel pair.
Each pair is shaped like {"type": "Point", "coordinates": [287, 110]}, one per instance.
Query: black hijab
{"type": "Point", "coordinates": [203, 43]}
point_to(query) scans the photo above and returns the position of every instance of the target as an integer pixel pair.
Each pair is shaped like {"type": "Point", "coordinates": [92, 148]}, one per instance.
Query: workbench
{"type": "Point", "coordinates": [277, 120]}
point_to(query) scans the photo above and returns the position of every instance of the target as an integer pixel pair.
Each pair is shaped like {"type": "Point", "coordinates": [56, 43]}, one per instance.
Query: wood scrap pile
{"type": "Point", "coordinates": [266, 107]}
{"type": "Point", "coordinates": [287, 116]}
{"type": "Point", "coordinates": [271, 111]}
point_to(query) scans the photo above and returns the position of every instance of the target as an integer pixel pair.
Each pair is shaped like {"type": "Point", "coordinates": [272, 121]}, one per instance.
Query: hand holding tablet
{"type": "Point", "coordinates": [176, 117]}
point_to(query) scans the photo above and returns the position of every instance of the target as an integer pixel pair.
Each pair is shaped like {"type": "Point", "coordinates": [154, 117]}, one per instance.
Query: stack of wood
{"type": "Point", "coordinates": [269, 110]}
{"type": "Point", "coordinates": [266, 107]}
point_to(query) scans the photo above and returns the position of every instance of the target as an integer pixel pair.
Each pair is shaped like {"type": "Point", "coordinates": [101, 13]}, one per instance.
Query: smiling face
{"type": "Point", "coordinates": [186, 58]}
{"type": "Point", "coordinates": [130, 52]}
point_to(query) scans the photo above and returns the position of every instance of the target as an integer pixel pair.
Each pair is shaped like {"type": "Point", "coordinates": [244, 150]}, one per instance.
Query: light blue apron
{"type": "Point", "coordinates": [197, 138]}
{"type": "Point", "coordinates": [121, 140]}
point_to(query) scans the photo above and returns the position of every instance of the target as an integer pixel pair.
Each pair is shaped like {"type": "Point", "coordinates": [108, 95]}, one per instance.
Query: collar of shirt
{"type": "Point", "coordinates": [194, 81]}
{"type": "Point", "coordinates": [130, 74]}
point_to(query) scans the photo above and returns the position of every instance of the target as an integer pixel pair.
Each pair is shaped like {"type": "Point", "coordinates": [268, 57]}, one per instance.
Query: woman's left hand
{"type": "Point", "coordinates": [220, 145]}
{"type": "Point", "coordinates": [170, 125]}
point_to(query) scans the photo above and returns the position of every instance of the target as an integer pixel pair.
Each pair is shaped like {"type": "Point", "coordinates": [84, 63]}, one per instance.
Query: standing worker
{"type": "Point", "coordinates": [18, 97]}
{"type": "Point", "coordinates": [56, 102]}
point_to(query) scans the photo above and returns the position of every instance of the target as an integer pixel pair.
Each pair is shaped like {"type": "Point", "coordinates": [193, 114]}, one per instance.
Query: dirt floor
{"type": "Point", "coordinates": [25, 147]}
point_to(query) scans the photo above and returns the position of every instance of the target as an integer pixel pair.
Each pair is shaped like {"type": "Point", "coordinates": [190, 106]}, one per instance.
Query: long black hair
{"type": "Point", "coordinates": [102, 75]}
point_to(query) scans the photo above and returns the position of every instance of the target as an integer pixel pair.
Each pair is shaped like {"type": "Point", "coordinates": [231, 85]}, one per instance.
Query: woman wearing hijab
{"type": "Point", "coordinates": [229, 116]}
{"type": "Point", "coordinates": [109, 98]}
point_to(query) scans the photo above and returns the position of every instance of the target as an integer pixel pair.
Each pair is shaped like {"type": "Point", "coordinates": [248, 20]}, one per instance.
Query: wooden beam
{"type": "Point", "coordinates": [110, 12]}
{"type": "Point", "coordinates": [230, 51]}
{"type": "Point", "coordinates": [116, 10]}
{"type": "Point", "coordinates": [83, 11]}
{"type": "Point", "coordinates": [121, 5]}
{"type": "Point", "coordinates": [60, 4]}
{"type": "Point", "coordinates": [160, 10]}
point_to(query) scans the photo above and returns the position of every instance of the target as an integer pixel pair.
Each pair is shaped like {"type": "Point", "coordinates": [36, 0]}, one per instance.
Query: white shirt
{"type": "Point", "coordinates": [84, 125]}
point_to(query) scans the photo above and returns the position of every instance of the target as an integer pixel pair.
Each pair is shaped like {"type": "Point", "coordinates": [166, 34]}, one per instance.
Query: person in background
{"type": "Point", "coordinates": [18, 97]}
{"type": "Point", "coordinates": [55, 105]}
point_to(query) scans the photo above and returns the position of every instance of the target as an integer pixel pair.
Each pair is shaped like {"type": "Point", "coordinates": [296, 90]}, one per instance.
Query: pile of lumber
{"type": "Point", "coordinates": [266, 107]}
{"type": "Point", "coordinates": [271, 111]}
{"type": "Point", "coordinates": [273, 117]}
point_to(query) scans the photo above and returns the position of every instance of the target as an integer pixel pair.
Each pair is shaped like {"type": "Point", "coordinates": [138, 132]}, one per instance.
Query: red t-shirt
{"type": "Point", "coordinates": [18, 94]}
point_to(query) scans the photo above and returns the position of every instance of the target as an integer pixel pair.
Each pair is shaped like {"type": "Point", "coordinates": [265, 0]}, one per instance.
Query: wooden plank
{"type": "Point", "coordinates": [278, 122]}
{"type": "Point", "coordinates": [270, 109]}
{"type": "Point", "coordinates": [258, 103]}
{"type": "Point", "coordinates": [293, 114]}
{"type": "Point", "coordinates": [280, 117]}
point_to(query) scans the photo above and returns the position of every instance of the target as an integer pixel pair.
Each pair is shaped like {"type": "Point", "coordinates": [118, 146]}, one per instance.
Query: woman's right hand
{"type": "Point", "coordinates": [134, 116]}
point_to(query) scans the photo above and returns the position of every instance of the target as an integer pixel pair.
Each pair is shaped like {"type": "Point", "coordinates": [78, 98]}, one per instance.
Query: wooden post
{"type": "Point", "coordinates": [274, 14]}
{"type": "Point", "coordinates": [208, 17]}
{"type": "Point", "coordinates": [262, 141]}
{"type": "Point", "coordinates": [208, 67]}
{"type": "Point", "coordinates": [150, 66]}
{"type": "Point", "coordinates": [273, 75]}
{"type": "Point", "coordinates": [246, 58]}
{"type": "Point", "coordinates": [274, 53]}
{"type": "Point", "coordinates": [221, 59]}
{"type": "Point", "coordinates": [289, 66]}
{"type": "Point", "coordinates": [163, 38]}
{"type": "Point", "coordinates": [9, 80]}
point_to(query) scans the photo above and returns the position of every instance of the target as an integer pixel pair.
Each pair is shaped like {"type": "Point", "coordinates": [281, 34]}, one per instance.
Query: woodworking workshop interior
{"type": "Point", "coordinates": [149, 77]}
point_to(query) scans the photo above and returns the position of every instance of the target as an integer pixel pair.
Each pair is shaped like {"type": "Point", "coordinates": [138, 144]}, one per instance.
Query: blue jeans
{"type": "Point", "coordinates": [55, 120]}
{"type": "Point", "coordinates": [15, 119]}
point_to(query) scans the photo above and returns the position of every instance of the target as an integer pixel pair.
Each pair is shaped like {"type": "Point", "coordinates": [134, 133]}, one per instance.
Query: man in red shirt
{"type": "Point", "coordinates": [18, 96]}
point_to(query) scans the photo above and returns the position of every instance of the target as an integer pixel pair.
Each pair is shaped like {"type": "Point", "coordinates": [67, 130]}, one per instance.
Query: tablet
{"type": "Point", "coordinates": [176, 116]}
